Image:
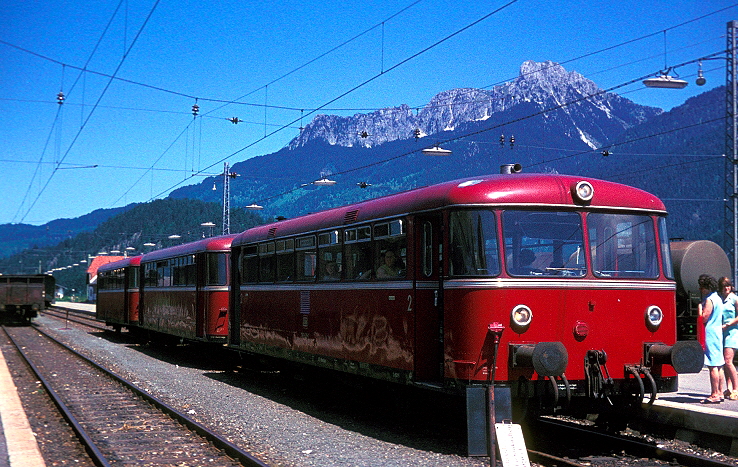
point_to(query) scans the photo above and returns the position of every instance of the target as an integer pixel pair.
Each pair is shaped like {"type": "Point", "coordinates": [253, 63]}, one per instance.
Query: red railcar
{"type": "Point", "coordinates": [118, 292]}
{"type": "Point", "coordinates": [557, 287]}
{"type": "Point", "coordinates": [184, 290]}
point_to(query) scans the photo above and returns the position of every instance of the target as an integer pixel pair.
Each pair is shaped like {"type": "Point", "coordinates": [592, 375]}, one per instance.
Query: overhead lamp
{"type": "Point", "coordinates": [115, 251]}
{"type": "Point", "coordinates": [254, 206]}
{"type": "Point", "coordinates": [149, 244]}
{"type": "Point", "coordinates": [174, 237]}
{"type": "Point", "coordinates": [130, 248]}
{"type": "Point", "coordinates": [700, 81]}
{"type": "Point", "coordinates": [665, 81]}
{"type": "Point", "coordinates": [436, 151]}
{"type": "Point", "coordinates": [207, 224]}
{"type": "Point", "coordinates": [324, 182]}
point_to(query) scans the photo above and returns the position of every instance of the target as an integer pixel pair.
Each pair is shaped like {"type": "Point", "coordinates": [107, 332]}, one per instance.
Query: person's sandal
{"type": "Point", "coordinates": [733, 396]}
{"type": "Point", "coordinates": [710, 401]}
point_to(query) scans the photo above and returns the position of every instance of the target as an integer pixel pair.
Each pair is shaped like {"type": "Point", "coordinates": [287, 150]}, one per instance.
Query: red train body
{"type": "Point", "coordinates": [184, 290]}
{"type": "Point", "coordinates": [556, 287]}
{"type": "Point", "coordinates": [118, 292]}
{"type": "Point", "coordinates": [553, 284]}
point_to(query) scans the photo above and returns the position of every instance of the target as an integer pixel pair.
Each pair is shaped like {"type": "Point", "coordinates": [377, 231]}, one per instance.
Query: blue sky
{"type": "Point", "coordinates": [280, 61]}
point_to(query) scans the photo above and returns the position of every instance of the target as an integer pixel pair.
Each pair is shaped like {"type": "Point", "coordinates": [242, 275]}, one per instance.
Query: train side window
{"type": "Point", "coordinates": [178, 277]}
{"type": "Point", "coordinates": [190, 270]}
{"type": "Point", "coordinates": [358, 253]}
{"type": "Point", "coordinates": [267, 262]}
{"type": "Point", "coordinates": [249, 264]}
{"type": "Point", "coordinates": [474, 250]}
{"type": "Point", "coordinates": [330, 256]}
{"type": "Point", "coordinates": [391, 245]}
{"type": "Point", "coordinates": [285, 260]}
{"type": "Point", "coordinates": [306, 258]}
{"type": "Point", "coordinates": [151, 275]}
{"type": "Point", "coordinates": [163, 273]}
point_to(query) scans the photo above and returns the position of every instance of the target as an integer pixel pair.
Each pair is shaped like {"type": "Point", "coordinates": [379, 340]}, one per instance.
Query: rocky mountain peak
{"type": "Point", "coordinates": [545, 85]}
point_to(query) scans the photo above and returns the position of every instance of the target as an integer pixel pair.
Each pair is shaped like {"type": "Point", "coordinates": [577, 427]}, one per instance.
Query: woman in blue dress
{"type": "Point", "coordinates": [730, 336]}
{"type": "Point", "coordinates": [711, 312]}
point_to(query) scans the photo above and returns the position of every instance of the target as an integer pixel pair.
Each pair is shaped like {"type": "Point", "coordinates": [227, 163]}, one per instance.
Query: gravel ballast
{"type": "Point", "coordinates": [310, 418]}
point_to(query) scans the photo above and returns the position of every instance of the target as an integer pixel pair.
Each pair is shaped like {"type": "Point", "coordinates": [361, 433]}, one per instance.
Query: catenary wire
{"type": "Point", "coordinates": [92, 111]}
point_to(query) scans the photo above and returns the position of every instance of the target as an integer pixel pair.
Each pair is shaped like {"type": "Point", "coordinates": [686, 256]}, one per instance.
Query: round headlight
{"type": "Point", "coordinates": [521, 315]}
{"type": "Point", "coordinates": [654, 315]}
{"type": "Point", "coordinates": [583, 192]}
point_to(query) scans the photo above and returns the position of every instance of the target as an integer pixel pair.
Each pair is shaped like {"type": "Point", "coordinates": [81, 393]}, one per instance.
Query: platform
{"type": "Point", "coordinates": [709, 425]}
{"type": "Point", "coordinates": [18, 447]}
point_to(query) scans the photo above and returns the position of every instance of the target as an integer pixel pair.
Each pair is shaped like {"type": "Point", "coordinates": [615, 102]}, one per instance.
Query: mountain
{"type": "Point", "coordinates": [561, 122]}
{"type": "Point", "coordinates": [595, 117]}
{"type": "Point", "coordinates": [130, 232]}
{"type": "Point", "coordinates": [552, 113]}
{"type": "Point", "coordinates": [17, 237]}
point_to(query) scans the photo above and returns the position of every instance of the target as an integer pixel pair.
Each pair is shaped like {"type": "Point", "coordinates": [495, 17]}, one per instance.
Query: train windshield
{"type": "Point", "coordinates": [544, 243]}
{"type": "Point", "coordinates": [623, 245]}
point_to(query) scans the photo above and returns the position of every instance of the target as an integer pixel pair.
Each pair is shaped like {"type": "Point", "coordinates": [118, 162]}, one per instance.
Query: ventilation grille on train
{"type": "Point", "coordinates": [351, 216]}
{"type": "Point", "coordinates": [272, 232]}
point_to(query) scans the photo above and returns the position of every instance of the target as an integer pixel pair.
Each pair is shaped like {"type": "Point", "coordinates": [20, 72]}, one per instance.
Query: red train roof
{"type": "Point", "coordinates": [221, 243]}
{"type": "Point", "coordinates": [507, 189]}
{"type": "Point", "coordinates": [121, 263]}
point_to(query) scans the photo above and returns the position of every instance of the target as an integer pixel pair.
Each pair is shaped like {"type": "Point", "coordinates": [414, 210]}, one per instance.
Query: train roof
{"type": "Point", "coordinates": [220, 243]}
{"type": "Point", "coordinates": [121, 263]}
{"type": "Point", "coordinates": [15, 276]}
{"type": "Point", "coordinates": [498, 190]}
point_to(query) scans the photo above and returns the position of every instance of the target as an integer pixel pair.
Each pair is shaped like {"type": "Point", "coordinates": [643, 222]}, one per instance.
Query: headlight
{"type": "Point", "coordinates": [583, 192]}
{"type": "Point", "coordinates": [654, 315]}
{"type": "Point", "coordinates": [521, 316]}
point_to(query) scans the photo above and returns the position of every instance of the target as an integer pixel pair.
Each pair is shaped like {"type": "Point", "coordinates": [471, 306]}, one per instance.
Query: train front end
{"type": "Point", "coordinates": [562, 290]}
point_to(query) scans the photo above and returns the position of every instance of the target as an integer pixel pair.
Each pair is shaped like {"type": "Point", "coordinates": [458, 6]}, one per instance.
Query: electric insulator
{"type": "Point", "coordinates": [364, 134]}
{"type": "Point", "coordinates": [416, 133]}
{"type": "Point", "coordinates": [195, 110]}
{"type": "Point", "coordinates": [605, 153]}
{"type": "Point", "coordinates": [512, 141]}
{"type": "Point", "coordinates": [60, 98]}
{"type": "Point", "coordinates": [235, 120]}
{"type": "Point", "coordinates": [502, 140]}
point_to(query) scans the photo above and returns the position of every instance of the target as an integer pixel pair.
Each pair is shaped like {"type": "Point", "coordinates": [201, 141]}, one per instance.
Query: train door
{"type": "Point", "coordinates": [427, 305]}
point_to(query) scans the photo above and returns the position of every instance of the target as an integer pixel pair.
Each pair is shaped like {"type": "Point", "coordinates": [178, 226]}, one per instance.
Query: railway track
{"type": "Point", "coordinates": [601, 449]}
{"type": "Point", "coordinates": [75, 316]}
{"type": "Point", "coordinates": [565, 440]}
{"type": "Point", "coordinates": [118, 423]}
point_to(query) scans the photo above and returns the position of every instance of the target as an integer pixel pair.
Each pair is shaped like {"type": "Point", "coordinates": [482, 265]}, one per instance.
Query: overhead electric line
{"type": "Point", "coordinates": [535, 114]}
{"type": "Point", "coordinates": [92, 111]}
{"type": "Point", "coordinates": [358, 86]}
{"type": "Point", "coordinates": [59, 109]}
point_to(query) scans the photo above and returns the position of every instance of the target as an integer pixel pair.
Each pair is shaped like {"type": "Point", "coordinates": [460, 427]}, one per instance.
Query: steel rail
{"type": "Point", "coordinates": [229, 448]}
{"type": "Point", "coordinates": [98, 458]}
{"type": "Point", "coordinates": [637, 447]}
